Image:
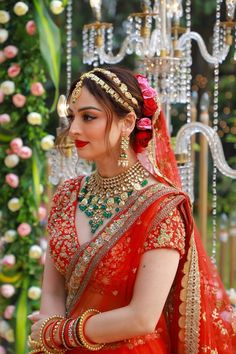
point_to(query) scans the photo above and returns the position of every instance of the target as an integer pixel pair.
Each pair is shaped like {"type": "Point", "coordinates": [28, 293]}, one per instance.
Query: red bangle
{"type": "Point", "coordinates": [65, 334]}
{"type": "Point", "coordinates": [46, 340]}
{"type": "Point", "coordinates": [55, 327]}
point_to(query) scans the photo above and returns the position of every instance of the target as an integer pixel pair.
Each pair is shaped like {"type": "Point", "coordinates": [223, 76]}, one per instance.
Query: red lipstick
{"type": "Point", "coordinates": [80, 143]}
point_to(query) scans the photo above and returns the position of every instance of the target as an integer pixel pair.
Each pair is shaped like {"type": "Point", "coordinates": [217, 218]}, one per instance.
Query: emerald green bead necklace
{"type": "Point", "coordinates": [101, 197]}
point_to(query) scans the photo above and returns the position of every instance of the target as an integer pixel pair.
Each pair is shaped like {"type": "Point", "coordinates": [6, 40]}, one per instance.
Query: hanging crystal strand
{"type": "Point", "coordinates": [85, 45]}
{"type": "Point", "coordinates": [235, 44]}
{"type": "Point", "coordinates": [216, 49]}
{"type": "Point", "coordinates": [188, 99]}
{"type": "Point", "coordinates": [68, 42]}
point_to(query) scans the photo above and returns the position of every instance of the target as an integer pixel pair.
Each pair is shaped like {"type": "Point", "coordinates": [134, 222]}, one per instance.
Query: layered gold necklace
{"type": "Point", "coordinates": [101, 197]}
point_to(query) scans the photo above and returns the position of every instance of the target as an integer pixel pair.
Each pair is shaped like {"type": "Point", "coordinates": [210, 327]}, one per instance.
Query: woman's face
{"type": "Point", "coordinates": [88, 128]}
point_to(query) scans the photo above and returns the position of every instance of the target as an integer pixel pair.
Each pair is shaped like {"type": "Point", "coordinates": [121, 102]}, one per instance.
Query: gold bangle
{"type": "Point", "coordinates": [85, 316]}
{"type": "Point", "coordinates": [33, 343]}
{"type": "Point", "coordinates": [44, 347]}
{"type": "Point", "coordinates": [63, 334]}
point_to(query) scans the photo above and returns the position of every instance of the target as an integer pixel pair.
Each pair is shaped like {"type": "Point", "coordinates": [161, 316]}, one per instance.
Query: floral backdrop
{"type": "Point", "coordinates": [29, 62]}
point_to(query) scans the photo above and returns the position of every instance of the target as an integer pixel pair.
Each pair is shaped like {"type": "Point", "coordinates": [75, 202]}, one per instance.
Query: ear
{"type": "Point", "coordinates": [128, 123]}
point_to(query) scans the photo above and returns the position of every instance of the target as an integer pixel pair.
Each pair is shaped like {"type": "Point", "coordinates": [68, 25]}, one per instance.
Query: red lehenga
{"type": "Point", "coordinates": [100, 274]}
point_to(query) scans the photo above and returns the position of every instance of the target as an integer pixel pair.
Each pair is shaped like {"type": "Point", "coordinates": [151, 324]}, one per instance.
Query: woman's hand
{"type": "Point", "coordinates": [37, 320]}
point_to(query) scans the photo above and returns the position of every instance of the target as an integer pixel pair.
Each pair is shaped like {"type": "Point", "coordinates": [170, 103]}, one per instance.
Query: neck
{"type": "Point", "coordinates": [108, 166]}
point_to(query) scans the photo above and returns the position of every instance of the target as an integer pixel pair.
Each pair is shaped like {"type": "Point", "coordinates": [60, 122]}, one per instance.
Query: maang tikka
{"type": "Point", "coordinates": [123, 158]}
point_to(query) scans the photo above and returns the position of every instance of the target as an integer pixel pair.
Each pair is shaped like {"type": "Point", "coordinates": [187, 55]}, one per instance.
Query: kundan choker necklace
{"type": "Point", "coordinates": [101, 197]}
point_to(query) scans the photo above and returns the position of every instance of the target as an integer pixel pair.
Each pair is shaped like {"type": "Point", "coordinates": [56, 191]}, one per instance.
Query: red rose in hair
{"type": "Point", "coordinates": [149, 107]}
{"type": "Point", "coordinates": [142, 139]}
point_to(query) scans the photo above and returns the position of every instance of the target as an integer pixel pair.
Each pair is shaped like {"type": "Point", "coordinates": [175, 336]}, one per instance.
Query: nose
{"type": "Point", "coordinates": [75, 129]}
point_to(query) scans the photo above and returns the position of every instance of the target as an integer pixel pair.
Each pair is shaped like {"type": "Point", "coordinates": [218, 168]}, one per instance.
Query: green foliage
{"type": "Point", "coordinates": [26, 272]}
{"type": "Point", "coordinates": [50, 44]}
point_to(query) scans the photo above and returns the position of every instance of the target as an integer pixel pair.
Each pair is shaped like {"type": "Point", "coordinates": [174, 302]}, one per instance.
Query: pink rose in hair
{"type": "Point", "coordinates": [144, 124]}
{"type": "Point", "coordinates": [31, 27]}
{"type": "Point", "coordinates": [16, 144]}
{"type": "Point", "coordinates": [24, 229]}
{"type": "Point", "coordinates": [143, 82]}
{"type": "Point", "coordinates": [8, 313]}
{"type": "Point", "coordinates": [14, 70]}
{"type": "Point", "coordinates": [149, 93]}
{"type": "Point", "coordinates": [4, 118]}
{"type": "Point", "coordinates": [19, 100]}
{"type": "Point", "coordinates": [1, 96]}
{"type": "Point", "coordinates": [2, 57]}
{"type": "Point", "coordinates": [10, 51]}
{"type": "Point", "coordinates": [37, 89]}
{"type": "Point", "coordinates": [12, 180]}
{"type": "Point", "coordinates": [25, 152]}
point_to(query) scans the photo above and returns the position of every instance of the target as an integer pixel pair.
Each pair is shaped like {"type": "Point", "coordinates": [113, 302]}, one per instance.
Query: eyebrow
{"type": "Point", "coordinates": [88, 107]}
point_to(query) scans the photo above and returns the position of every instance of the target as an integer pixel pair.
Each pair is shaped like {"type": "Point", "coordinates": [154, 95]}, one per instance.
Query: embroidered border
{"type": "Point", "coordinates": [109, 236]}
{"type": "Point", "coordinates": [190, 296]}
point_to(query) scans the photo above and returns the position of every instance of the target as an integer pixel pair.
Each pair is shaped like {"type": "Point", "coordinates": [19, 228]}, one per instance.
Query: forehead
{"type": "Point", "coordinates": [84, 99]}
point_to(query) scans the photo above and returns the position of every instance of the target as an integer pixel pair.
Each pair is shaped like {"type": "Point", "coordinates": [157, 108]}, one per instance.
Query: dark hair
{"type": "Point", "coordinates": [107, 101]}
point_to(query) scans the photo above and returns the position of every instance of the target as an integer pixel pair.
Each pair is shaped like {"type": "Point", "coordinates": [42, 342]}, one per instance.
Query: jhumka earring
{"type": "Point", "coordinates": [123, 158]}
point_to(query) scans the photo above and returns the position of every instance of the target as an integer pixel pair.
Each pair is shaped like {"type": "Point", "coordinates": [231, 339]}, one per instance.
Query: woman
{"type": "Point", "coordinates": [125, 270]}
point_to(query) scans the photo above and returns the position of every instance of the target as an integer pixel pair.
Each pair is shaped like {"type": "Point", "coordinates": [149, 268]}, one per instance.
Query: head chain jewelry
{"type": "Point", "coordinates": [123, 88]}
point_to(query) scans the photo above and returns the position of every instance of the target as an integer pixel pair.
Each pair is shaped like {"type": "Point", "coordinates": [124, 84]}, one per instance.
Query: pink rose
{"type": "Point", "coordinates": [10, 51]}
{"type": "Point", "coordinates": [7, 290]}
{"type": "Point", "coordinates": [19, 100]}
{"type": "Point", "coordinates": [8, 313]}
{"type": "Point", "coordinates": [149, 93]}
{"type": "Point", "coordinates": [24, 229]}
{"type": "Point", "coordinates": [12, 180]}
{"type": "Point", "coordinates": [1, 96]}
{"type": "Point", "coordinates": [144, 123]}
{"type": "Point", "coordinates": [16, 144]}
{"type": "Point", "coordinates": [37, 89]}
{"type": "Point", "coordinates": [25, 152]}
{"type": "Point", "coordinates": [14, 70]}
{"type": "Point", "coordinates": [2, 350]}
{"type": "Point", "coordinates": [2, 57]}
{"type": "Point", "coordinates": [9, 260]}
{"type": "Point", "coordinates": [42, 213]}
{"type": "Point", "coordinates": [31, 27]}
{"type": "Point", "coordinates": [4, 118]}
{"type": "Point", "coordinates": [143, 82]}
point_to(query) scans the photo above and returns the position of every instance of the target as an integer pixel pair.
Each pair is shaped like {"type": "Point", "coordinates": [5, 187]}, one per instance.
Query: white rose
{"type": "Point", "coordinates": [4, 16]}
{"type": "Point", "coordinates": [34, 293]}
{"type": "Point", "coordinates": [34, 118]}
{"type": "Point", "coordinates": [9, 335]}
{"type": "Point", "coordinates": [4, 326]}
{"type": "Point", "coordinates": [14, 204]}
{"type": "Point", "coordinates": [7, 290]}
{"type": "Point", "coordinates": [35, 252]}
{"type": "Point", "coordinates": [56, 7]}
{"type": "Point", "coordinates": [11, 160]}
{"type": "Point", "coordinates": [3, 35]}
{"type": "Point", "coordinates": [10, 236]}
{"type": "Point", "coordinates": [8, 87]}
{"type": "Point", "coordinates": [47, 142]}
{"type": "Point", "coordinates": [20, 8]}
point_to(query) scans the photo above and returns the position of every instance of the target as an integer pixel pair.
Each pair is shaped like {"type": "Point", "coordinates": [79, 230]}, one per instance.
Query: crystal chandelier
{"type": "Point", "coordinates": [163, 45]}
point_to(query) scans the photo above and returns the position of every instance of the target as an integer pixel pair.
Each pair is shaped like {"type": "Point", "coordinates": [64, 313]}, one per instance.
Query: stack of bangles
{"type": "Point", "coordinates": [59, 334]}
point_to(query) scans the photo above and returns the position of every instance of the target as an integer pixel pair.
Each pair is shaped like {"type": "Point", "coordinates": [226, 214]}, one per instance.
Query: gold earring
{"type": "Point", "coordinates": [123, 158]}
